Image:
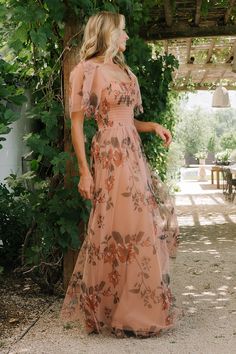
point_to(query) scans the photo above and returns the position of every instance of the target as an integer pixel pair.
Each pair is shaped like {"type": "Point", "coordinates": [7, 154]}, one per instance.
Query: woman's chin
{"type": "Point", "coordinates": [122, 48]}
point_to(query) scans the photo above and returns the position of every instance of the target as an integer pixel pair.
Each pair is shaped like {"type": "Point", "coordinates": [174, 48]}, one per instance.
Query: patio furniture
{"type": "Point", "coordinates": [216, 170]}
{"type": "Point", "coordinates": [229, 184]}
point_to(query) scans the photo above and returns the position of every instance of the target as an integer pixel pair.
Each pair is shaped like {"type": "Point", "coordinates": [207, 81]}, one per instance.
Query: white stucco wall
{"type": "Point", "coordinates": [14, 147]}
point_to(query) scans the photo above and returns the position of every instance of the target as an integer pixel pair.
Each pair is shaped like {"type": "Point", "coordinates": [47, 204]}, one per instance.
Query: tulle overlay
{"type": "Point", "coordinates": [121, 278]}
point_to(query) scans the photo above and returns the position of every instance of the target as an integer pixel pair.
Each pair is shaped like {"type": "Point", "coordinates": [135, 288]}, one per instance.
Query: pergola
{"type": "Point", "coordinates": [204, 41]}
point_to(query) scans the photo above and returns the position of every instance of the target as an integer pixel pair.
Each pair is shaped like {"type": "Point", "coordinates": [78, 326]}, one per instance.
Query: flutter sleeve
{"type": "Point", "coordinates": [86, 85]}
{"type": "Point", "coordinates": [138, 107]}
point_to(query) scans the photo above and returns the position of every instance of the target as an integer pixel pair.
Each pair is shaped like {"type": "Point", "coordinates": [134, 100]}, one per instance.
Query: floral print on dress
{"type": "Point", "coordinates": [121, 279]}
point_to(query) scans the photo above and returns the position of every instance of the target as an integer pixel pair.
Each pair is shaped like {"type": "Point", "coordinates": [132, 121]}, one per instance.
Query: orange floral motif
{"type": "Point", "coordinates": [114, 277]}
{"type": "Point", "coordinates": [122, 253]}
{"type": "Point", "coordinates": [117, 158]}
{"type": "Point", "coordinates": [110, 253]}
{"type": "Point", "coordinates": [95, 150]}
{"type": "Point", "coordinates": [105, 107]}
{"type": "Point", "coordinates": [131, 254]}
{"type": "Point", "coordinates": [109, 182]}
{"type": "Point", "coordinates": [91, 301]}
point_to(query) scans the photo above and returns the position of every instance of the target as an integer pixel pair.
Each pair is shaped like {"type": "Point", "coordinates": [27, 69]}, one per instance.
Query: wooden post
{"type": "Point", "coordinates": [70, 59]}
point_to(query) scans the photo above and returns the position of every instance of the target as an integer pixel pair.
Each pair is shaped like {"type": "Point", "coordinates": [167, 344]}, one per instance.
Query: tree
{"type": "Point", "coordinates": [225, 120]}
{"type": "Point", "coordinates": [195, 130]}
{"type": "Point", "coordinates": [228, 140]}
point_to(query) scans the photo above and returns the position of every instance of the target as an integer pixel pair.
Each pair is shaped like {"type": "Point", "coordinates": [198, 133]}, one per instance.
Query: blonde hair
{"type": "Point", "coordinates": [100, 38]}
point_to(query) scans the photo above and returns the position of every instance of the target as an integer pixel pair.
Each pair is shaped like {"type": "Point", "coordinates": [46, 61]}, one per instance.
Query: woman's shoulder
{"type": "Point", "coordinates": [88, 65]}
{"type": "Point", "coordinates": [77, 69]}
{"type": "Point", "coordinates": [84, 66]}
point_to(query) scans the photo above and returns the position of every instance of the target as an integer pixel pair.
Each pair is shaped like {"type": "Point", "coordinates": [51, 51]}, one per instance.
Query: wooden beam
{"type": "Point", "coordinates": [186, 31]}
{"type": "Point", "coordinates": [185, 67]}
{"type": "Point", "coordinates": [202, 88]}
{"type": "Point", "coordinates": [189, 43]}
{"type": "Point", "coordinates": [228, 11]}
{"type": "Point", "coordinates": [210, 50]}
{"type": "Point", "coordinates": [168, 12]}
{"type": "Point", "coordinates": [195, 47]}
{"type": "Point", "coordinates": [198, 12]}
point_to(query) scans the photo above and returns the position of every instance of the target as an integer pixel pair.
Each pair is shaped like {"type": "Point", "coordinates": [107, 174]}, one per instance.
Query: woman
{"type": "Point", "coordinates": [121, 278]}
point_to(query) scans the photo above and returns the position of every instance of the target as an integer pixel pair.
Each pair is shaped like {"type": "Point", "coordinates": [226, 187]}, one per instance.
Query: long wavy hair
{"type": "Point", "coordinates": [100, 38]}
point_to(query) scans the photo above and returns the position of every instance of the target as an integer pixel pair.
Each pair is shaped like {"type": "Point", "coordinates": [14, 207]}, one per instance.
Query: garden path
{"type": "Point", "coordinates": [203, 281]}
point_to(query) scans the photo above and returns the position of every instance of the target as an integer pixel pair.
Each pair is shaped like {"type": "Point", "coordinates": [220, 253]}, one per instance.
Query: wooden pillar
{"type": "Point", "coordinates": [70, 59]}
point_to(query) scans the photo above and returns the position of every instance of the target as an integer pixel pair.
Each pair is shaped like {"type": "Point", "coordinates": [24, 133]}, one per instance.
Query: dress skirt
{"type": "Point", "coordinates": [121, 279]}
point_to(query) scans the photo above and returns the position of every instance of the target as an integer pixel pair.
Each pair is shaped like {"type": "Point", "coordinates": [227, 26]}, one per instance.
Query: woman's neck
{"type": "Point", "coordinates": [101, 58]}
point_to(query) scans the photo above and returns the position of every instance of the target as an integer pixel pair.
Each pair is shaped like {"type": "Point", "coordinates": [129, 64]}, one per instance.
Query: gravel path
{"type": "Point", "coordinates": [203, 281]}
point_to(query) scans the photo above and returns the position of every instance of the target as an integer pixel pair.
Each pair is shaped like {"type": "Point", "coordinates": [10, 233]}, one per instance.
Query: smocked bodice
{"type": "Point", "coordinates": [110, 101]}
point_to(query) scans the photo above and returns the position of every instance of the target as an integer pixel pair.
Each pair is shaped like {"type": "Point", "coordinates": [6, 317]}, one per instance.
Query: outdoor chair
{"type": "Point", "coordinates": [229, 185]}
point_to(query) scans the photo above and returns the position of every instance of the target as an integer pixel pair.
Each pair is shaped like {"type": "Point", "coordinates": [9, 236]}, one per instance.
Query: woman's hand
{"type": "Point", "coordinates": [164, 133]}
{"type": "Point", "coordinates": [86, 186]}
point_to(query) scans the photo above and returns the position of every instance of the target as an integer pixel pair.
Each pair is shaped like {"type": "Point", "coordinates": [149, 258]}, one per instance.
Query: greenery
{"type": "Point", "coordinates": [13, 211]}
{"type": "Point", "coordinates": [195, 130]}
{"type": "Point", "coordinates": [11, 94]}
{"type": "Point", "coordinates": [199, 131]}
{"type": "Point", "coordinates": [228, 140]}
{"type": "Point", "coordinates": [201, 155]}
{"type": "Point", "coordinates": [47, 209]}
{"type": "Point", "coordinates": [209, 4]}
{"type": "Point", "coordinates": [223, 156]}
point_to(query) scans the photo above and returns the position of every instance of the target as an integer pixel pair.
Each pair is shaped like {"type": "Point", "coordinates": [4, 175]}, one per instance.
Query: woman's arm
{"type": "Point", "coordinates": [144, 127]}
{"type": "Point", "coordinates": [77, 134]}
{"type": "Point", "coordinates": [152, 127]}
{"type": "Point", "coordinates": [86, 181]}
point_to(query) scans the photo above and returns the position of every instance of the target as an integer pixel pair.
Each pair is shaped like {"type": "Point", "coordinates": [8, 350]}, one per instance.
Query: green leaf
{"type": "Point", "coordinates": [10, 116]}
{"type": "Point", "coordinates": [18, 99]}
{"type": "Point", "coordinates": [4, 129]}
{"type": "Point", "coordinates": [34, 165]}
{"type": "Point", "coordinates": [39, 38]}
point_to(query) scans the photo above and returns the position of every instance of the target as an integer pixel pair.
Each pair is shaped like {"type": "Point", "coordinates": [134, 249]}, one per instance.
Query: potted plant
{"type": "Point", "coordinates": [223, 157]}
{"type": "Point", "coordinates": [201, 156]}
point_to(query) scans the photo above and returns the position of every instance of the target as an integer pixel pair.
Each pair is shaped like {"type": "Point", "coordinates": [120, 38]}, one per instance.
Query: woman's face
{"type": "Point", "coordinates": [122, 38]}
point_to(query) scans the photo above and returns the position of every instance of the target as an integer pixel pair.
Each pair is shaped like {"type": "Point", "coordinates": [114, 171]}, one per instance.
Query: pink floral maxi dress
{"type": "Point", "coordinates": [121, 278]}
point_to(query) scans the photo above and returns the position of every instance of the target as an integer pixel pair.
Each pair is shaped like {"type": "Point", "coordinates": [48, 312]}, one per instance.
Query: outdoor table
{"type": "Point", "coordinates": [216, 169]}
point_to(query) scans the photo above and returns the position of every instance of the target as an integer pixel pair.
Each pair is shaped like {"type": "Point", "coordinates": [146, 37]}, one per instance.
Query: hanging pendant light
{"type": "Point", "coordinates": [221, 98]}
